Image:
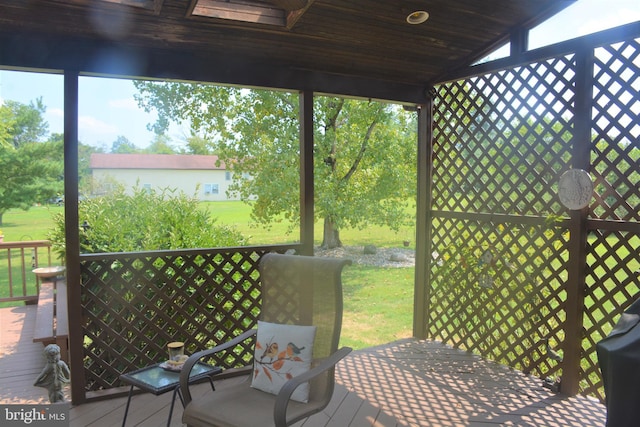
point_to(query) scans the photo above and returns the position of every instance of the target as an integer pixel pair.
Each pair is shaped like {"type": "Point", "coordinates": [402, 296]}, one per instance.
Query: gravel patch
{"type": "Point", "coordinates": [384, 257]}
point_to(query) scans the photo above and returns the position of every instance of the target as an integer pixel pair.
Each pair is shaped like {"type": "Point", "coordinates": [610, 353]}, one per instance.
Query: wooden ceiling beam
{"type": "Point", "coordinates": [90, 57]}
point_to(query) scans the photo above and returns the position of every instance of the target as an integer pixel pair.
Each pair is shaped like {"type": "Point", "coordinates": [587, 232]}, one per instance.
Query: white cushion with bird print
{"type": "Point", "coordinates": [281, 353]}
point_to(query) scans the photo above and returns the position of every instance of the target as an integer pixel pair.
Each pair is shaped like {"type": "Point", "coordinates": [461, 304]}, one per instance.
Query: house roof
{"type": "Point", "coordinates": [154, 161]}
{"type": "Point", "coordinates": [359, 47]}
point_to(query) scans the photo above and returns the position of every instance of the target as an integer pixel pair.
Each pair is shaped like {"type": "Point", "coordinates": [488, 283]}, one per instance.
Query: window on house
{"type": "Point", "coordinates": [147, 187]}
{"type": "Point", "coordinates": [227, 176]}
{"type": "Point", "coordinates": [211, 189]}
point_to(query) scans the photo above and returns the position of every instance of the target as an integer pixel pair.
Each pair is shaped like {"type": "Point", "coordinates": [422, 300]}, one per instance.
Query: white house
{"type": "Point", "coordinates": [186, 173]}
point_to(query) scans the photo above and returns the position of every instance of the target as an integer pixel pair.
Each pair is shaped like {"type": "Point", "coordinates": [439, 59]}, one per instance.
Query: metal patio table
{"type": "Point", "coordinates": [157, 380]}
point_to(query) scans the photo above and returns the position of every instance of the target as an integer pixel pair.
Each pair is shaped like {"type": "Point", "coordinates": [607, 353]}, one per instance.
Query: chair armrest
{"type": "Point", "coordinates": [195, 357]}
{"type": "Point", "coordinates": [282, 400]}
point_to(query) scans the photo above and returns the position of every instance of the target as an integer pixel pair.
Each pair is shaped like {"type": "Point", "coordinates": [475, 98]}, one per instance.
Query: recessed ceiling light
{"type": "Point", "coordinates": [417, 17]}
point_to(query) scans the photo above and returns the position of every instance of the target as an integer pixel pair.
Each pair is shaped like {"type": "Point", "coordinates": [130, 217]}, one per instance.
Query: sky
{"type": "Point", "coordinates": [107, 108]}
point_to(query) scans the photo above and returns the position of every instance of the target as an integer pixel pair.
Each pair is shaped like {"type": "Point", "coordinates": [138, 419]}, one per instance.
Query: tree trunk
{"type": "Point", "coordinates": [331, 235]}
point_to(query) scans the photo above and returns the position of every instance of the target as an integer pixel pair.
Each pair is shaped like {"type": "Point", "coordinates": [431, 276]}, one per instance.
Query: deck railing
{"type": "Point", "coordinates": [17, 260]}
{"type": "Point", "coordinates": [133, 304]}
{"type": "Point", "coordinates": [512, 273]}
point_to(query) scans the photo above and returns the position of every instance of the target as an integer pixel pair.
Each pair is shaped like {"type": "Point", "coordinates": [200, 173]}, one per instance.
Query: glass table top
{"type": "Point", "coordinates": [158, 380]}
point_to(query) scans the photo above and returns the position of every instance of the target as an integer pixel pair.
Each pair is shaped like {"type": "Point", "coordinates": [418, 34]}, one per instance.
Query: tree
{"type": "Point", "coordinates": [28, 123]}
{"type": "Point", "coordinates": [161, 144]}
{"type": "Point", "coordinates": [196, 144]}
{"type": "Point", "coordinates": [29, 174]}
{"type": "Point", "coordinates": [7, 124]}
{"type": "Point", "coordinates": [30, 171]}
{"type": "Point", "coordinates": [123, 146]}
{"type": "Point", "coordinates": [85, 177]}
{"type": "Point", "coordinates": [84, 161]}
{"type": "Point", "coordinates": [364, 151]}
{"type": "Point", "coordinates": [85, 180]}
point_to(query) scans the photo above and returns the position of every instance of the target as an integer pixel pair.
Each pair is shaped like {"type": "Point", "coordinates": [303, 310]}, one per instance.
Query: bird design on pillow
{"type": "Point", "coordinates": [273, 360]}
{"type": "Point", "coordinates": [293, 349]}
{"type": "Point", "coordinates": [271, 351]}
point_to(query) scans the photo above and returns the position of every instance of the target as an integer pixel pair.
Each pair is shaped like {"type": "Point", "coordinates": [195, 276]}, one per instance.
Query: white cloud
{"type": "Point", "coordinates": [124, 103]}
{"type": "Point", "coordinates": [55, 118]}
{"type": "Point", "coordinates": [56, 112]}
{"type": "Point", "coordinates": [92, 125]}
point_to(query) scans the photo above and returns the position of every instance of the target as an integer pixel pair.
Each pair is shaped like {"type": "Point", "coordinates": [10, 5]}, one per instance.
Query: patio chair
{"type": "Point", "coordinates": [302, 291]}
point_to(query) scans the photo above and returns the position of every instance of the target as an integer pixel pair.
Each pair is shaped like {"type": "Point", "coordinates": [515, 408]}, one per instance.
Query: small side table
{"type": "Point", "coordinates": [157, 380]}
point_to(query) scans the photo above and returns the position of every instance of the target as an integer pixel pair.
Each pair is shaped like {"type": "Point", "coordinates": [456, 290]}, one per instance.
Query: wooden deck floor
{"type": "Point", "coordinates": [405, 383]}
{"type": "Point", "coordinates": [21, 360]}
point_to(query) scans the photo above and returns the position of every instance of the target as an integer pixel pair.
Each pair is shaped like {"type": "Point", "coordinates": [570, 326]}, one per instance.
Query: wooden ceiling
{"type": "Point", "coordinates": [360, 40]}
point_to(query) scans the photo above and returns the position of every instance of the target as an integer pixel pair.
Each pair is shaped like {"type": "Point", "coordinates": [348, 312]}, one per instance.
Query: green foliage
{"type": "Point", "coordinates": [122, 145]}
{"type": "Point", "coordinates": [196, 144]}
{"type": "Point", "coordinates": [144, 220]}
{"type": "Point", "coordinates": [7, 124]}
{"type": "Point", "coordinates": [161, 144]}
{"type": "Point", "coordinates": [27, 123]}
{"type": "Point", "coordinates": [366, 164]}
{"type": "Point", "coordinates": [30, 171]}
{"type": "Point", "coordinates": [364, 151]}
{"type": "Point", "coordinates": [86, 185]}
{"type": "Point", "coordinates": [28, 174]}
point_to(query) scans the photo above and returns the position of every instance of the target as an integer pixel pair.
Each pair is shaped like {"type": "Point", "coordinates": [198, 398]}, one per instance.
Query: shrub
{"type": "Point", "coordinates": [144, 220]}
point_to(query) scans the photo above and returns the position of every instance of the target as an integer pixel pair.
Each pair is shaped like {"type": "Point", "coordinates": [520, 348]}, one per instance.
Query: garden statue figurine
{"type": "Point", "coordinates": [54, 375]}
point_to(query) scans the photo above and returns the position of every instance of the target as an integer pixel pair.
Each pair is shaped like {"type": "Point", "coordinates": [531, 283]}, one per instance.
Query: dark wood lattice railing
{"type": "Point", "coordinates": [502, 272]}
{"type": "Point", "coordinates": [613, 262]}
{"type": "Point", "coordinates": [500, 293]}
{"type": "Point", "coordinates": [133, 304]}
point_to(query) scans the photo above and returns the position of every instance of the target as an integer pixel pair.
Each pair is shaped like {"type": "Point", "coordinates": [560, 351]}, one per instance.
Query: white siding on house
{"type": "Point", "coordinates": [186, 181]}
{"type": "Point", "coordinates": [195, 176]}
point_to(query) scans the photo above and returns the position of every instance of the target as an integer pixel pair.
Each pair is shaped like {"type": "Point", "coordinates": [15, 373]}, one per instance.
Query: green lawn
{"type": "Point", "coordinates": [238, 214]}
{"type": "Point", "coordinates": [34, 224]}
{"type": "Point", "coordinates": [378, 305]}
{"type": "Point", "coordinates": [378, 301]}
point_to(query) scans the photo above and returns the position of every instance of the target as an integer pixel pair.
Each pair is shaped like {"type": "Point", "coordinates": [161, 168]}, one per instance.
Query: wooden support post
{"type": "Point", "coordinates": [72, 234]}
{"type": "Point", "coordinates": [423, 221]}
{"type": "Point", "coordinates": [576, 268]}
{"type": "Point", "coordinates": [306, 173]}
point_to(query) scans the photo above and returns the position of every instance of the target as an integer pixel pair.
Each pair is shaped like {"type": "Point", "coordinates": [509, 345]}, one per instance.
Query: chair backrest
{"type": "Point", "coordinates": [305, 290]}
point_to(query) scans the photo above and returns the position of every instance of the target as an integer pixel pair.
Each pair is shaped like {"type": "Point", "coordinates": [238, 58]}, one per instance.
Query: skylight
{"type": "Point", "coordinates": [254, 11]}
{"type": "Point", "coordinates": [145, 4]}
